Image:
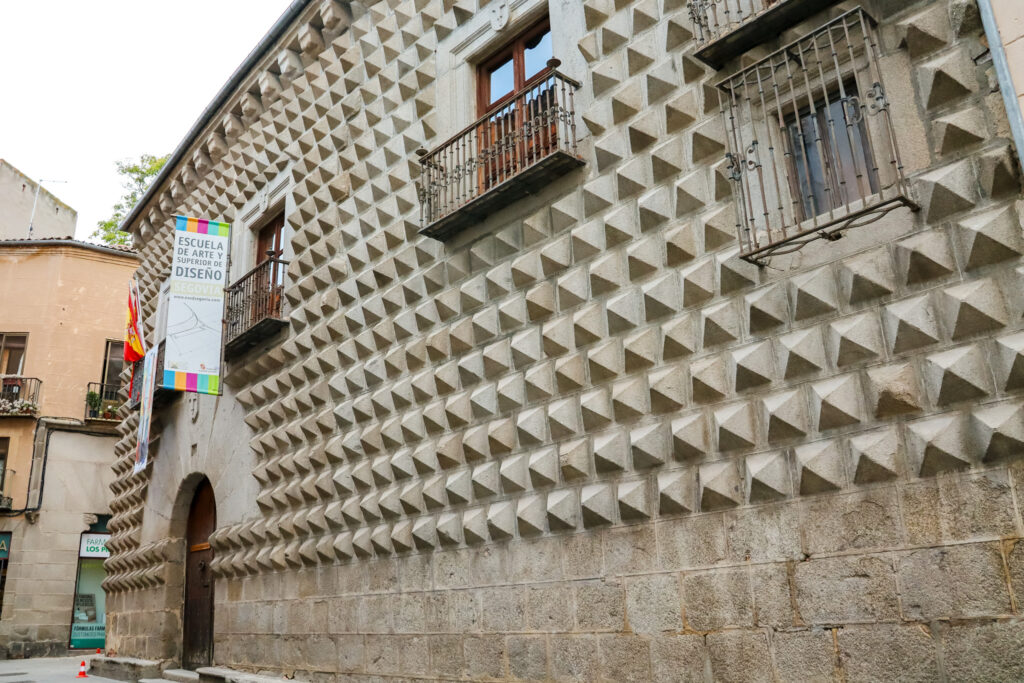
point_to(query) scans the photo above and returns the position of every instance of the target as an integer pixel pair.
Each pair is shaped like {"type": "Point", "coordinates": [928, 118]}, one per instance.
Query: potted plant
{"type": "Point", "coordinates": [93, 400]}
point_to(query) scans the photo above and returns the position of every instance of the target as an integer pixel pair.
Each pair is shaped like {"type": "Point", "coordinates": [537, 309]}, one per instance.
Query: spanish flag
{"type": "Point", "coordinates": [134, 346]}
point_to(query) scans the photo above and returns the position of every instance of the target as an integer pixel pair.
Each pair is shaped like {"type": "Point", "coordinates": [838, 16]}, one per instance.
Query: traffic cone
{"type": "Point", "coordinates": [81, 671]}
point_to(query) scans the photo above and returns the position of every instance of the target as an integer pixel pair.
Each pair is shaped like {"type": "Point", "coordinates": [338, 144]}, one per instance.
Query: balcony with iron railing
{"type": "Point", "coordinates": [724, 29]}
{"type": "Point", "coordinates": [102, 401]}
{"type": "Point", "coordinates": [515, 149]}
{"type": "Point", "coordinates": [19, 396]}
{"type": "Point", "coordinates": [160, 395]}
{"type": "Point", "coordinates": [255, 306]}
{"type": "Point", "coordinates": [811, 146]}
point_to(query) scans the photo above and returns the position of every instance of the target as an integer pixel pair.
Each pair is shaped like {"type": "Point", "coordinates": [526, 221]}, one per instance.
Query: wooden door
{"type": "Point", "coordinates": [197, 639]}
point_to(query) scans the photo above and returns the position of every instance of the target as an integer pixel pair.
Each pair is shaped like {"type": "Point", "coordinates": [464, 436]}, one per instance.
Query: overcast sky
{"type": "Point", "coordinates": [86, 83]}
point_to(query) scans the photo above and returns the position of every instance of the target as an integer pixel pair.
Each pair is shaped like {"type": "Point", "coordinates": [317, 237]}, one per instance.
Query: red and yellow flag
{"type": "Point", "coordinates": [134, 346]}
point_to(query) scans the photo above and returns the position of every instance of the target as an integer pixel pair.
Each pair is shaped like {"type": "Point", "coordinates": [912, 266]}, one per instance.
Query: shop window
{"type": "Point", "coordinates": [89, 612]}
{"type": "Point", "coordinates": [5, 446]}
{"type": "Point", "coordinates": [5, 557]}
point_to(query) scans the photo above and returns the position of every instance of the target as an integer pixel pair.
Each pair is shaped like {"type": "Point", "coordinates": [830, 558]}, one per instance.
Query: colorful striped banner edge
{"type": "Point", "coordinates": [201, 226]}
{"type": "Point", "coordinates": [191, 381]}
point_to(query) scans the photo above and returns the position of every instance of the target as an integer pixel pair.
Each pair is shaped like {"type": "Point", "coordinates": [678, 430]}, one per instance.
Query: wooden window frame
{"type": "Point", "coordinates": [516, 48]}
{"type": "Point", "coordinates": [275, 223]}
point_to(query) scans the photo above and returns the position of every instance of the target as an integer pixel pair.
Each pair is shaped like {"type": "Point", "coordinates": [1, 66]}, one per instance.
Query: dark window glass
{"type": "Point", "coordinates": [5, 444]}
{"type": "Point", "coordinates": [5, 555]}
{"type": "Point", "coordinates": [12, 353]}
{"type": "Point", "coordinates": [830, 156]}
{"type": "Point", "coordinates": [113, 363]}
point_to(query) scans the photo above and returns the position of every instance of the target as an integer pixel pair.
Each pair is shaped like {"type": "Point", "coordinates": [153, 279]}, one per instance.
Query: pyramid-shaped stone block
{"type": "Point", "coordinates": [999, 431]}
{"type": "Point", "coordinates": [677, 492]}
{"type": "Point", "coordinates": [785, 415]}
{"type": "Point", "coordinates": [959, 374]}
{"type": "Point", "coordinates": [736, 427]}
{"type": "Point", "coordinates": [893, 390]}
{"type": "Point", "coordinates": [634, 500]}
{"type": "Point", "coordinates": [990, 237]}
{"type": "Point", "coordinates": [855, 339]}
{"type": "Point", "coordinates": [939, 444]}
{"type": "Point", "coordinates": [721, 486]}
{"type": "Point", "coordinates": [767, 477]}
{"type": "Point", "coordinates": [597, 504]}
{"type": "Point", "coordinates": [911, 324]}
{"type": "Point", "coordinates": [837, 402]}
{"type": "Point", "coordinates": [820, 467]}
{"type": "Point", "coordinates": [974, 307]}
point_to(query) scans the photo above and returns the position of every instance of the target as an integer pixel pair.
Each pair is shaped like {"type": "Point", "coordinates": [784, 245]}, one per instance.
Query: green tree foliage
{"type": "Point", "coordinates": [137, 175]}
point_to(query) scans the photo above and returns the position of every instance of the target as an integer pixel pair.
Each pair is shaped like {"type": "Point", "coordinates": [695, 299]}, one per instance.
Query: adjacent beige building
{"type": "Point", "coordinates": [696, 354]}
{"type": "Point", "coordinates": [61, 324]}
{"type": "Point", "coordinates": [24, 203]}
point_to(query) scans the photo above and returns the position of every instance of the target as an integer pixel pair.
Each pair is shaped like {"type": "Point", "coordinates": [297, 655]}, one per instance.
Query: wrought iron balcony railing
{"type": "Point", "coordinates": [811, 147]}
{"type": "Point", "coordinates": [160, 395]}
{"type": "Point", "coordinates": [724, 29]}
{"type": "Point", "coordinates": [516, 148]}
{"type": "Point", "coordinates": [19, 396]}
{"type": "Point", "coordinates": [102, 401]}
{"type": "Point", "coordinates": [255, 306]}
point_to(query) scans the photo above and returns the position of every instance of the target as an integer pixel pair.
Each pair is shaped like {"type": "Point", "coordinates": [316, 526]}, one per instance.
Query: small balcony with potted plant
{"type": "Point", "coordinates": [102, 402]}
{"type": "Point", "coordinates": [19, 396]}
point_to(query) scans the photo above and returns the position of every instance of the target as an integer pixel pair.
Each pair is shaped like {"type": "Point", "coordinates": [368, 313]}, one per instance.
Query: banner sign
{"type": "Point", "coordinates": [146, 408]}
{"type": "Point", "coordinates": [5, 545]}
{"type": "Point", "coordinates": [94, 545]}
{"type": "Point", "coordinates": [195, 306]}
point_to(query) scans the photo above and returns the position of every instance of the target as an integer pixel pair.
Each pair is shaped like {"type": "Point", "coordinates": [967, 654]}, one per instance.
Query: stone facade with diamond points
{"type": "Point", "coordinates": [583, 439]}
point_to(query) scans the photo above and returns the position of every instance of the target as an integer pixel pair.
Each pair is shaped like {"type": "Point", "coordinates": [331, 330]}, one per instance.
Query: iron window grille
{"type": "Point", "coordinates": [811, 147]}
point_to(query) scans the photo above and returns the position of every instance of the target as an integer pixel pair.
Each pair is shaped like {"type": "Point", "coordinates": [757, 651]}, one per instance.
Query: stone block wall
{"type": "Point", "coordinates": [584, 439]}
{"type": "Point", "coordinates": [910, 581]}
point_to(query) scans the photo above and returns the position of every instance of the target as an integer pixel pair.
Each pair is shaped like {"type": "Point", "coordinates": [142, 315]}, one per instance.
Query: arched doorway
{"type": "Point", "coordinates": [197, 638]}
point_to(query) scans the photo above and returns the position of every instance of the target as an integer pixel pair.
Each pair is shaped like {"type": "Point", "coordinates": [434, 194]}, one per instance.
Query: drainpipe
{"type": "Point", "coordinates": [1010, 101]}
